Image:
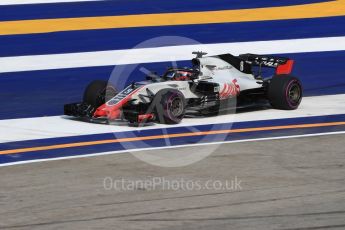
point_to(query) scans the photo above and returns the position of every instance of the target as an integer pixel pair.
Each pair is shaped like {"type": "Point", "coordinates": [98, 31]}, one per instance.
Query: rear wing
{"type": "Point", "coordinates": [281, 64]}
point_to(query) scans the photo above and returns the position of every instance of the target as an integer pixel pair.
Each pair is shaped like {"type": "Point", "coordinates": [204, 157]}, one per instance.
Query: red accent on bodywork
{"type": "Point", "coordinates": [146, 117]}
{"type": "Point", "coordinates": [221, 94]}
{"type": "Point", "coordinates": [230, 90]}
{"type": "Point", "coordinates": [238, 88]}
{"type": "Point", "coordinates": [285, 68]}
{"type": "Point", "coordinates": [112, 112]}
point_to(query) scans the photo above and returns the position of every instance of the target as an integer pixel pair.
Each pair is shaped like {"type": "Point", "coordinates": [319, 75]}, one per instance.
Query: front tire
{"type": "Point", "coordinates": [98, 92]}
{"type": "Point", "coordinates": [285, 92]}
{"type": "Point", "coordinates": [170, 106]}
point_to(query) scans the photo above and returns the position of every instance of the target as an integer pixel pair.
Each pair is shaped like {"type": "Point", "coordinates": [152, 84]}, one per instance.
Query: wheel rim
{"type": "Point", "coordinates": [294, 94]}
{"type": "Point", "coordinates": [176, 107]}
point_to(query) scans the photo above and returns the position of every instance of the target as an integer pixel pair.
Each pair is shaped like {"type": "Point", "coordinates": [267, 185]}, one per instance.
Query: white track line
{"type": "Point", "coordinates": [58, 126]}
{"type": "Point", "coordinates": [163, 54]}
{"type": "Point", "coordinates": [24, 2]}
{"type": "Point", "coordinates": [171, 147]}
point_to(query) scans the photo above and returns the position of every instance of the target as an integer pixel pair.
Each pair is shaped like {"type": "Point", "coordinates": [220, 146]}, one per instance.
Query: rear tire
{"type": "Point", "coordinates": [170, 106]}
{"type": "Point", "coordinates": [98, 92]}
{"type": "Point", "coordinates": [285, 92]}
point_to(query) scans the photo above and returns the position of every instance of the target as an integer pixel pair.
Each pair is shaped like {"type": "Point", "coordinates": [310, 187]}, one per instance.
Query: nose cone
{"type": "Point", "coordinates": [109, 112]}
{"type": "Point", "coordinates": [100, 112]}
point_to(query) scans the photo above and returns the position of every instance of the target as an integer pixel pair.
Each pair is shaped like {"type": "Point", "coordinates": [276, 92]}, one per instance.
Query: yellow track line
{"type": "Point", "coordinates": [109, 141]}
{"type": "Point", "coordinates": [315, 10]}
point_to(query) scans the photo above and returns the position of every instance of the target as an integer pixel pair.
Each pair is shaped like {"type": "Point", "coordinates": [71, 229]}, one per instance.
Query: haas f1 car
{"type": "Point", "coordinates": [213, 84]}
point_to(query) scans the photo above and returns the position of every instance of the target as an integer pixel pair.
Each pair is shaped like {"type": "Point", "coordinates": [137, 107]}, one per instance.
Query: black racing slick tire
{"type": "Point", "coordinates": [170, 105]}
{"type": "Point", "coordinates": [285, 92]}
{"type": "Point", "coordinates": [98, 92]}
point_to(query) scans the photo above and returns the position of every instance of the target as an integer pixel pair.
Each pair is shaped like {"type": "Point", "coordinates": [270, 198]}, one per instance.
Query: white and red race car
{"type": "Point", "coordinates": [213, 84]}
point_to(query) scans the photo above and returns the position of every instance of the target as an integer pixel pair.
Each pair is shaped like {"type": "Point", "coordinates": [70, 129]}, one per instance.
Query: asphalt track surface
{"type": "Point", "coordinates": [285, 184]}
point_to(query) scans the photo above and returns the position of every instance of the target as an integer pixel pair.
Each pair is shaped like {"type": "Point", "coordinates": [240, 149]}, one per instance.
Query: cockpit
{"type": "Point", "coordinates": [177, 74]}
